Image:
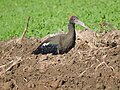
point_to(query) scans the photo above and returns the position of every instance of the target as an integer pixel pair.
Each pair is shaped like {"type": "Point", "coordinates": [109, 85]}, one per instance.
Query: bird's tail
{"type": "Point", "coordinates": [36, 52]}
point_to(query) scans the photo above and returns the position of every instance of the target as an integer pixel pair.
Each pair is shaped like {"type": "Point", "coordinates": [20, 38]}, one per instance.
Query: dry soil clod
{"type": "Point", "coordinates": [9, 65]}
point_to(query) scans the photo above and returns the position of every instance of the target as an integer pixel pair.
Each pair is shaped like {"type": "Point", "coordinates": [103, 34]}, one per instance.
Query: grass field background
{"type": "Point", "coordinates": [50, 16]}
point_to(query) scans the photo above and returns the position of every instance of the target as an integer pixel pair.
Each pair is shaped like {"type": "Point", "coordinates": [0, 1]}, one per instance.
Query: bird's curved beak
{"type": "Point", "coordinates": [81, 23]}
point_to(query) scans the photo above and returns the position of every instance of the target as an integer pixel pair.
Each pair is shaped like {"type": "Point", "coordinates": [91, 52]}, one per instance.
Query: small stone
{"type": "Point", "coordinates": [8, 86]}
{"type": "Point", "coordinates": [31, 85]}
{"type": "Point", "coordinates": [55, 84]}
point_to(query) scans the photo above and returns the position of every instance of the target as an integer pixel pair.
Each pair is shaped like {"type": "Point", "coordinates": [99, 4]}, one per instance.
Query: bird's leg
{"type": "Point", "coordinates": [58, 52]}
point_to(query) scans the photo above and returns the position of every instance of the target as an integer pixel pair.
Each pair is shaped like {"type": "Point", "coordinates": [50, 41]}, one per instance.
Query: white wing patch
{"type": "Point", "coordinates": [45, 44]}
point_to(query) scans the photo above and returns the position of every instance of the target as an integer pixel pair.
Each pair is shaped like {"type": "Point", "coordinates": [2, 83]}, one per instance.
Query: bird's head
{"type": "Point", "coordinates": [75, 20]}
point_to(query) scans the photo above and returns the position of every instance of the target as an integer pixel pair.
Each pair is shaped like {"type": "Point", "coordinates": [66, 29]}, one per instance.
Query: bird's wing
{"type": "Point", "coordinates": [50, 45]}
{"type": "Point", "coordinates": [54, 39]}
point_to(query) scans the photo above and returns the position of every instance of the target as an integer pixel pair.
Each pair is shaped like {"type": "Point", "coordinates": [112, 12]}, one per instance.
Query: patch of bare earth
{"type": "Point", "coordinates": [94, 64]}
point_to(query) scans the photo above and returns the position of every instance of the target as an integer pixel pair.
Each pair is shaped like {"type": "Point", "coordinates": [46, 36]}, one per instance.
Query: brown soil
{"type": "Point", "coordinates": [94, 64]}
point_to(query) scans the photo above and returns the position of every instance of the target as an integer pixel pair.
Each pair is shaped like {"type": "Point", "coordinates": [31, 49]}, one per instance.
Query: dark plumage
{"type": "Point", "coordinates": [61, 43]}
{"type": "Point", "coordinates": [50, 48]}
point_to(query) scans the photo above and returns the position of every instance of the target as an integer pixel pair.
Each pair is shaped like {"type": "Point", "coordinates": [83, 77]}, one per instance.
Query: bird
{"type": "Point", "coordinates": [60, 43]}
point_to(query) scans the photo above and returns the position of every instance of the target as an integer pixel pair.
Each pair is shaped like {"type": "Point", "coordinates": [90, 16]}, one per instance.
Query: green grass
{"type": "Point", "coordinates": [50, 16]}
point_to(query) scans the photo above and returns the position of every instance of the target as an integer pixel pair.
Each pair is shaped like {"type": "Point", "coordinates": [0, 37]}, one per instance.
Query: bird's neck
{"type": "Point", "coordinates": [71, 28]}
{"type": "Point", "coordinates": [71, 33]}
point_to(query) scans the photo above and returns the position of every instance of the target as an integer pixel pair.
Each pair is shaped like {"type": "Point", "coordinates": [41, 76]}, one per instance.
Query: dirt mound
{"type": "Point", "coordinates": [94, 64]}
